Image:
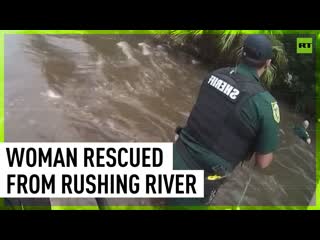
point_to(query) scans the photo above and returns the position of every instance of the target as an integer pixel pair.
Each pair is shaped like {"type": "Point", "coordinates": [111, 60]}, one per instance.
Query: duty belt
{"type": "Point", "coordinates": [211, 173]}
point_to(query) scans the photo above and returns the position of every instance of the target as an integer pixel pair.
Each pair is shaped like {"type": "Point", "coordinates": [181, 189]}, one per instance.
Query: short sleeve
{"type": "Point", "coordinates": [269, 119]}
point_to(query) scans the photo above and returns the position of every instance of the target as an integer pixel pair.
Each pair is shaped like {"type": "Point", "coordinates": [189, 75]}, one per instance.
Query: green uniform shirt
{"type": "Point", "coordinates": [261, 112]}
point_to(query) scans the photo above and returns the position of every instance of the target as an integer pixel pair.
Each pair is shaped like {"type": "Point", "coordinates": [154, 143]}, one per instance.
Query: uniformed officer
{"type": "Point", "coordinates": [301, 131]}
{"type": "Point", "coordinates": [234, 119]}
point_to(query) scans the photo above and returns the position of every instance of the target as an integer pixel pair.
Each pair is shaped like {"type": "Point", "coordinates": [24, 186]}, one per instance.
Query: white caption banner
{"type": "Point", "coordinates": [94, 170]}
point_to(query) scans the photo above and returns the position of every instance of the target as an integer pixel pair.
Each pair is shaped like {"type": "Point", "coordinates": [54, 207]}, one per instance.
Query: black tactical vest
{"type": "Point", "coordinates": [215, 119]}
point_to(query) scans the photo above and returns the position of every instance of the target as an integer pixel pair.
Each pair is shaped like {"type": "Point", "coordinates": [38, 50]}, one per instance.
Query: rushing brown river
{"type": "Point", "coordinates": [126, 88]}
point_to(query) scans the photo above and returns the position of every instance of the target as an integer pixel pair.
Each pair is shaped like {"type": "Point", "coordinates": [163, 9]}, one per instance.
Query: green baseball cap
{"type": "Point", "coordinates": [257, 47]}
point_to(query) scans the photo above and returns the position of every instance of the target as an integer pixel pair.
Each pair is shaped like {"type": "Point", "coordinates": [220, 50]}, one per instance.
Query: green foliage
{"type": "Point", "coordinates": [231, 44]}
{"type": "Point", "coordinates": [224, 47]}
{"type": "Point", "coordinates": [228, 43]}
{"type": "Point", "coordinates": [301, 90]}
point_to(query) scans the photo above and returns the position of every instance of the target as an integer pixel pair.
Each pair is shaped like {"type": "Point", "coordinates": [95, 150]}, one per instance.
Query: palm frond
{"type": "Point", "coordinates": [269, 75]}
{"type": "Point", "coordinates": [229, 43]}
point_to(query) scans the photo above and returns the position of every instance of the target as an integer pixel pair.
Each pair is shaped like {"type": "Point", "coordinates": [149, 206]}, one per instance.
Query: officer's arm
{"type": "Point", "coordinates": [263, 160]}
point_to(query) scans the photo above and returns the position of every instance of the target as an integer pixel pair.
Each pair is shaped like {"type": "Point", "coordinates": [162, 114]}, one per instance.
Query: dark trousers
{"type": "Point", "coordinates": [182, 161]}
{"type": "Point", "coordinates": [102, 203]}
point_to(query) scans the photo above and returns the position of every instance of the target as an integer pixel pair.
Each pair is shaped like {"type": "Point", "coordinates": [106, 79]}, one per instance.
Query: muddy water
{"type": "Point", "coordinates": [118, 88]}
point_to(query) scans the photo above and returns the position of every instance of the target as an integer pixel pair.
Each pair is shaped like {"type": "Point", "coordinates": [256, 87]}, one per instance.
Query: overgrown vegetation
{"type": "Point", "coordinates": [291, 77]}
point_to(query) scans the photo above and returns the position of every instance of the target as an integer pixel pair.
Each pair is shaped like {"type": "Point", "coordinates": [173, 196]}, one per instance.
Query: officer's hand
{"type": "Point", "coordinates": [309, 141]}
{"type": "Point", "coordinates": [263, 160]}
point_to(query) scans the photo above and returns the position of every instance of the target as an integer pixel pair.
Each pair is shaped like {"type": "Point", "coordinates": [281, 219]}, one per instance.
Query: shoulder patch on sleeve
{"type": "Point", "coordinates": [276, 111]}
